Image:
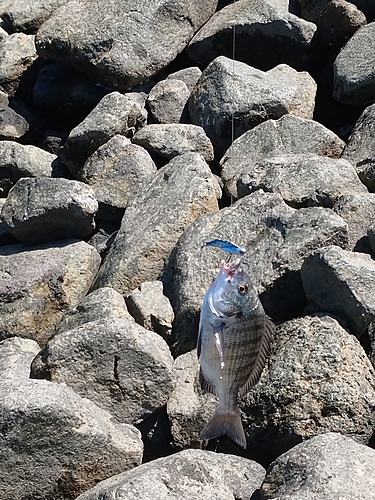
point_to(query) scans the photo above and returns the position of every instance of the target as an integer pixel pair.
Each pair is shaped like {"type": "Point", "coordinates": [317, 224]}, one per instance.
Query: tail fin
{"type": "Point", "coordinates": [228, 423]}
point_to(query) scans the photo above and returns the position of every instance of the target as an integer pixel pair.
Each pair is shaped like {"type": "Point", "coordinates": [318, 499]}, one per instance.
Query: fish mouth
{"type": "Point", "coordinates": [231, 268]}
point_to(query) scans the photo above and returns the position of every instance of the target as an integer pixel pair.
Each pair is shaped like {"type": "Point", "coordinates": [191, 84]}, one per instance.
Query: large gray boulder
{"type": "Point", "coordinates": [230, 90]}
{"type": "Point", "coordinates": [341, 283]}
{"type": "Point", "coordinates": [114, 362]}
{"type": "Point", "coordinates": [265, 26]}
{"type": "Point", "coordinates": [167, 101]}
{"type": "Point", "coordinates": [311, 9]}
{"type": "Point", "coordinates": [326, 466]}
{"type": "Point", "coordinates": [17, 54]}
{"type": "Point", "coordinates": [127, 45]}
{"type": "Point", "coordinates": [115, 114]}
{"type": "Point", "coordinates": [16, 355]}
{"type": "Point", "coordinates": [115, 172]}
{"type": "Point", "coordinates": [360, 147]}
{"type": "Point", "coordinates": [173, 139]}
{"type": "Point", "coordinates": [39, 284]}
{"type": "Point", "coordinates": [289, 134]}
{"type": "Point", "coordinates": [45, 209]}
{"type": "Point", "coordinates": [55, 445]}
{"type": "Point", "coordinates": [277, 239]}
{"type": "Point", "coordinates": [29, 16]}
{"type": "Point", "coordinates": [102, 303]}
{"type": "Point", "coordinates": [179, 192]}
{"type": "Point", "coordinates": [190, 474]}
{"type": "Point", "coordinates": [318, 380]}
{"type": "Point", "coordinates": [303, 180]}
{"type": "Point", "coordinates": [18, 160]}
{"type": "Point", "coordinates": [353, 70]}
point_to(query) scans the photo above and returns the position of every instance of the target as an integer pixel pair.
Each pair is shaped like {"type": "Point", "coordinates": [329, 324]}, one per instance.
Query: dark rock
{"type": "Point", "coordinates": [275, 36]}
{"type": "Point", "coordinates": [351, 275]}
{"type": "Point", "coordinates": [128, 45]}
{"type": "Point", "coordinates": [45, 209]}
{"type": "Point", "coordinates": [311, 9]}
{"type": "Point", "coordinates": [233, 91]}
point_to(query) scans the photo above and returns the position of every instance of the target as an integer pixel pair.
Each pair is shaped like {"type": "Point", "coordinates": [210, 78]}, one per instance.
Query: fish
{"type": "Point", "coordinates": [234, 341]}
{"type": "Point", "coordinates": [226, 245]}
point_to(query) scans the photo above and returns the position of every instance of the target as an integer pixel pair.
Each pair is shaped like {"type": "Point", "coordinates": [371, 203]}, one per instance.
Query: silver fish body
{"type": "Point", "coordinates": [233, 343]}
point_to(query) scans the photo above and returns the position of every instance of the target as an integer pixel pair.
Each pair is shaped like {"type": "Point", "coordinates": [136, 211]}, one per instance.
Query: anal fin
{"type": "Point", "coordinates": [205, 385]}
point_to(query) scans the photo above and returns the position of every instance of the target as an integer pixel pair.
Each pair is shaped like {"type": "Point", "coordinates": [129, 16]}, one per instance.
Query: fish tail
{"type": "Point", "coordinates": [225, 422]}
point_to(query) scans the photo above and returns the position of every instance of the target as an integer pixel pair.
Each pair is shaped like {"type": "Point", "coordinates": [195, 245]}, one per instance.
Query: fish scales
{"type": "Point", "coordinates": [233, 343]}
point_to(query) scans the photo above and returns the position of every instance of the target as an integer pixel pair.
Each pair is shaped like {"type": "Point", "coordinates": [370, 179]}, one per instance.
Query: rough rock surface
{"type": "Point", "coordinates": [116, 363]}
{"type": "Point", "coordinates": [315, 469]}
{"type": "Point", "coordinates": [16, 355]}
{"type": "Point", "coordinates": [289, 134]}
{"type": "Point", "coordinates": [360, 147]}
{"type": "Point", "coordinates": [230, 88]}
{"type": "Point", "coordinates": [39, 284]}
{"type": "Point", "coordinates": [167, 101]}
{"type": "Point", "coordinates": [38, 418]}
{"type": "Point", "coordinates": [303, 180]}
{"type": "Point", "coordinates": [130, 44]}
{"type": "Point", "coordinates": [188, 474]}
{"type": "Point", "coordinates": [318, 380]}
{"type": "Point", "coordinates": [266, 26]}
{"type": "Point", "coordinates": [150, 308]}
{"type": "Point", "coordinates": [170, 140]}
{"type": "Point", "coordinates": [115, 114]}
{"type": "Point", "coordinates": [44, 209]}
{"type": "Point", "coordinates": [351, 275]}
{"type": "Point", "coordinates": [115, 172]}
{"type": "Point", "coordinates": [17, 54]}
{"type": "Point", "coordinates": [102, 303]}
{"type": "Point", "coordinates": [12, 125]}
{"type": "Point", "coordinates": [354, 75]}
{"type": "Point", "coordinates": [277, 239]}
{"type": "Point", "coordinates": [178, 193]}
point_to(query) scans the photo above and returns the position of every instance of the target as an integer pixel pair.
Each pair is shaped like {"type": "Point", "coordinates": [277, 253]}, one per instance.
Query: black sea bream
{"type": "Point", "coordinates": [233, 343]}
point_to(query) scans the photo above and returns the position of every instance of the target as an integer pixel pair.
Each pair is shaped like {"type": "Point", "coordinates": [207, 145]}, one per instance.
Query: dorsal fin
{"type": "Point", "coordinates": [264, 352]}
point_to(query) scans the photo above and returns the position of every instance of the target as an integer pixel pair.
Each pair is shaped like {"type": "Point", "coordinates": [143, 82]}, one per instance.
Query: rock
{"type": "Point", "coordinates": [17, 54]}
{"type": "Point", "coordinates": [102, 303]}
{"type": "Point", "coordinates": [360, 147]}
{"type": "Point", "coordinates": [38, 418]}
{"type": "Point", "coordinates": [173, 139]}
{"type": "Point", "coordinates": [116, 363]}
{"type": "Point", "coordinates": [12, 125]}
{"type": "Point", "coordinates": [188, 474]}
{"type": "Point", "coordinates": [189, 76]}
{"type": "Point", "coordinates": [178, 193]}
{"type": "Point", "coordinates": [16, 355]}
{"type": "Point", "coordinates": [116, 172]}
{"type": "Point", "coordinates": [115, 114]}
{"type": "Point", "coordinates": [277, 241]}
{"type": "Point", "coordinates": [151, 309]}
{"type": "Point", "coordinates": [134, 42]}
{"type": "Point", "coordinates": [60, 90]}
{"type": "Point", "coordinates": [229, 89]}
{"type": "Point", "coordinates": [303, 180]}
{"type": "Point", "coordinates": [265, 26]}
{"type": "Point", "coordinates": [353, 69]}
{"type": "Point", "coordinates": [289, 134]}
{"type": "Point", "coordinates": [188, 408]}
{"type": "Point", "coordinates": [167, 101]}
{"type": "Point", "coordinates": [39, 284]}
{"type": "Point", "coordinates": [358, 211]}
{"type": "Point", "coordinates": [18, 160]}
{"type": "Point", "coordinates": [318, 380]}
{"type": "Point", "coordinates": [311, 9]}
{"type": "Point", "coordinates": [316, 468]}
{"type": "Point", "coordinates": [45, 209]}
{"type": "Point", "coordinates": [351, 276]}
{"type": "Point", "coordinates": [338, 21]}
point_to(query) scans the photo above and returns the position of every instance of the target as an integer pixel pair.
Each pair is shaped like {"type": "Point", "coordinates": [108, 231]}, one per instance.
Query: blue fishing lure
{"type": "Point", "coordinates": [226, 245]}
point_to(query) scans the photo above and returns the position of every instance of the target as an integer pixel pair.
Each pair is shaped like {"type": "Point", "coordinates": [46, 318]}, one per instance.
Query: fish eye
{"type": "Point", "coordinates": [242, 289]}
